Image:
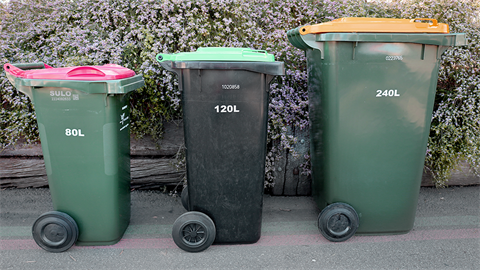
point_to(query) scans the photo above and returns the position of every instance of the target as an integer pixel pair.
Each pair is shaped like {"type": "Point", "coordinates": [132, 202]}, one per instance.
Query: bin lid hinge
{"type": "Point", "coordinates": [423, 52]}
{"type": "Point", "coordinates": [355, 46]}
{"type": "Point", "coordinates": [200, 78]}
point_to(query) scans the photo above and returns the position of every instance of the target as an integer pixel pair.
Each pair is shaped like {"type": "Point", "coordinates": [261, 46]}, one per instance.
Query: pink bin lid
{"type": "Point", "coordinates": [83, 73]}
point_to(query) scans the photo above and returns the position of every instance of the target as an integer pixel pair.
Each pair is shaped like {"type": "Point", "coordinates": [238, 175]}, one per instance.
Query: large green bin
{"type": "Point", "coordinates": [83, 121]}
{"type": "Point", "coordinates": [371, 85]}
{"type": "Point", "coordinates": [225, 109]}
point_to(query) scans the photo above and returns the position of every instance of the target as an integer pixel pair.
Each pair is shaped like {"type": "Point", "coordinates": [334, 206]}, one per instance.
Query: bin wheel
{"type": "Point", "coordinates": [338, 222]}
{"type": "Point", "coordinates": [193, 231]}
{"type": "Point", "coordinates": [184, 197]}
{"type": "Point", "coordinates": [55, 231]}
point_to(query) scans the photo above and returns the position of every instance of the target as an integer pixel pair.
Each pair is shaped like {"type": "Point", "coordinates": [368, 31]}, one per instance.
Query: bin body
{"type": "Point", "coordinates": [226, 151]}
{"type": "Point", "coordinates": [225, 110]}
{"type": "Point", "coordinates": [85, 136]}
{"type": "Point", "coordinates": [369, 151]}
{"type": "Point", "coordinates": [371, 98]}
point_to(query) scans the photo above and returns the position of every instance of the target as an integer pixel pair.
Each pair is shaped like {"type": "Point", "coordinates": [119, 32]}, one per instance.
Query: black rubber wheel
{"type": "Point", "coordinates": [55, 231]}
{"type": "Point", "coordinates": [193, 231]}
{"type": "Point", "coordinates": [184, 197]}
{"type": "Point", "coordinates": [338, 222]}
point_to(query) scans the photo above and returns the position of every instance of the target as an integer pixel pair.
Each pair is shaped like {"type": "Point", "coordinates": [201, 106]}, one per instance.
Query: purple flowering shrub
{"type": "Point", "coordinates": [455, 131]}
{"type": "Point", "coordinates": [131, 33]}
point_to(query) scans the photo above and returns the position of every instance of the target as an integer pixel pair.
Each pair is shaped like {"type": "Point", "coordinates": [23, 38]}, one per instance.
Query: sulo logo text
{"type": "Point", "coordinates": [60, 93]}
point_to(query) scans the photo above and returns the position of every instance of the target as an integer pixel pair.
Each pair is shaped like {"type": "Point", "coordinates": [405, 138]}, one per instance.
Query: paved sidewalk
{"type": "Point", "coordinates": [446, 235]}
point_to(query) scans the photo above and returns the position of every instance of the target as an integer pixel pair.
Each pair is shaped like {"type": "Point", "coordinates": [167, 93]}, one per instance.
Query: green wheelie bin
{"type": "Point", "coordinates": [371, 85]}
{"type": "Point", "coordinates": [225, 110]}
{"type": "Point", "coordinates": [83, 121]}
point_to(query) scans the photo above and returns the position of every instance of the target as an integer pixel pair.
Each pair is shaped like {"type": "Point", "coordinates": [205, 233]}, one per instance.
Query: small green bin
{"type": "Point", "coordinates": [84, 125]}
{"type": "Point", "coordinates": [371, 91]}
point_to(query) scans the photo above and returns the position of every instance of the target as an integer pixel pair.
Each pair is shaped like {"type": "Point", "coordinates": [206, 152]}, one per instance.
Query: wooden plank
{"type": "Point", "coordinates": [296, 183]}
{"type": "Point", "coordinates": [154, 173]}
{"type": "Point", "coordinates": [288, 177]}
{"type": "Point", "coordinates": [462, 176]}
{"type": "Point", "coordinates": [279, 174]}
{"type": "Point", "coordinates": [304, 186]}
{"type": "Point", "coordinates": [22, 166]}
{"type": "Point", "coordinates": [157, 172]}
{"type": "Point", "coordinates": [22, 173]}
{"type": "Point", "coordinates": [291, 178]}
{"type": "Point", "coordinates": [145, 173]}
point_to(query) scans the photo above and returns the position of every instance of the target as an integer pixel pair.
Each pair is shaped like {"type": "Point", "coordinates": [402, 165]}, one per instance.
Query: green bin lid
{"type": "Point", "coordinates": [219, 54]}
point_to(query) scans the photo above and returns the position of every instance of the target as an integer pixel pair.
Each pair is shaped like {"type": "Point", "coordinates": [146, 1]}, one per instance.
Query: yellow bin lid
{"type": "Point", "coordinates": [377, 25]}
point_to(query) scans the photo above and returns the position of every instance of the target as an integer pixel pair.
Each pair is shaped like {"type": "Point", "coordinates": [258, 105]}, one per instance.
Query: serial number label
{"type": "Point", "coordinates": [230, 86]}
{"type": "Point", "coordinates": [74, 132]}
{"type": "Point", "coordinates": [226, 109]}
{"type": "Point", "coordinates": [387, 93]}
{"type": "Point", "coordinates": [394, 57]}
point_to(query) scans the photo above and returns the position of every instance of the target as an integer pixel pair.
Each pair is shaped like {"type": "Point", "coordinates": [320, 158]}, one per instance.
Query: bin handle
{"type": "Point", "coordinates": [434, 21]}
{"type": "Point", "coordinates": [165, 61]}
{"type": "Point", "coordinates": [18, 69]}
{"type": "Point", "coordinates": [161, 57]}
{"type": "Point", "coordinates": [254, 53]}
{"type": "Point", "coordinates": [14, 70]}
{"type": "Point", "coordinates": [85, 71]}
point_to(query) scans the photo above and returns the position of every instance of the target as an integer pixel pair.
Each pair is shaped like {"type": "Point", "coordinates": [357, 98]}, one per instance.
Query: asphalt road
{"type": "Point", "coordinates": [446, 235]}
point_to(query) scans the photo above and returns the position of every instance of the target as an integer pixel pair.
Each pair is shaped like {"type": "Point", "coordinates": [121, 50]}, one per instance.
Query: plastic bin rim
{"type": "Point", "coordinates": [219, 54]}
{"type": "Point", "coordinates": [107, 72]}
{"type": "Point", "coordinates": [376, 25]}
